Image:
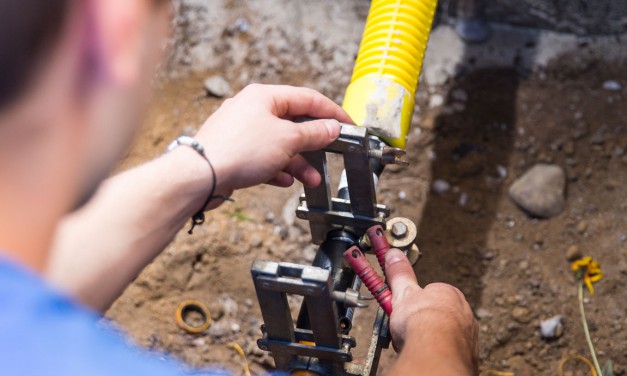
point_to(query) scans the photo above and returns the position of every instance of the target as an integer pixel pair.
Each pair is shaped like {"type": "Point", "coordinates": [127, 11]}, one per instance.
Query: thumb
{"type": "Point", "coordinates": [398, 271]}
{"type": "Point", "coordinates": [316, 134]}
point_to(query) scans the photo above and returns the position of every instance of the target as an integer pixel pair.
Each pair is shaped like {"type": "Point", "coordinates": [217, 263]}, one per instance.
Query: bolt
{"type": "Point", "coordinates": [399, 230]}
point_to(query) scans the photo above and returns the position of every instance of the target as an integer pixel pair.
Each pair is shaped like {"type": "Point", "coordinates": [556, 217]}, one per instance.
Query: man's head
{"type": "Point", "coordinates": [74, 80]}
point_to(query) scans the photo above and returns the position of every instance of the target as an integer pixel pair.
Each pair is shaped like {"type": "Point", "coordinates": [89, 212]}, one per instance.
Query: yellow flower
{"type": "Point", "coordinates": [588, 271]}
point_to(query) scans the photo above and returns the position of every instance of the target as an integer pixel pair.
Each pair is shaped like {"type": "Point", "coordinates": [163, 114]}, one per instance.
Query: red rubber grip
{"type": "Point", "coordinates": [379, 243]}
{"type": "Point", "coordinates": [370, 278]}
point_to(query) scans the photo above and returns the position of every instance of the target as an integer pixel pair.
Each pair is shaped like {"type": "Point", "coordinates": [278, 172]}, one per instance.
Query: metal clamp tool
{"type": "Point", "coordinates": [319, 340]}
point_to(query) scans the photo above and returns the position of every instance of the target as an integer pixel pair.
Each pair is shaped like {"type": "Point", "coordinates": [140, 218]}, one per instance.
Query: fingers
{"type": "Point", "coordinates": [398, 271]}
{"type": "Point", "coordinates": [300, 169]}
{"type": "Point", "coordinates": [316, 134]}
{"type": "Point", "coordinates": [281, 179]}
{"type": "Point", "coordinates": [290, 101]}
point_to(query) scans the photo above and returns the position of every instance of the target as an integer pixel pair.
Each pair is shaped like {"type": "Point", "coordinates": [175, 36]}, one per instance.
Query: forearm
{"type": "Point", "coordinates": [102, 247]}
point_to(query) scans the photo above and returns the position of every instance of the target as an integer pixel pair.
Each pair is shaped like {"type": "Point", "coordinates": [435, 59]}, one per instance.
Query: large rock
{"type": "Point", "coordinates": [540, 191]}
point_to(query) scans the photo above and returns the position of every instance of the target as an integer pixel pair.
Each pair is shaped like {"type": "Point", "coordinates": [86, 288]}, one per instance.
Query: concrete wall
{"type": "Point", "coordinates": [582, 17]}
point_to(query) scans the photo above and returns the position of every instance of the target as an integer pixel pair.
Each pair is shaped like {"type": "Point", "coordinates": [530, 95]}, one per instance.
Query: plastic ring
{"type": "Point", "coordinates": [193, 306]}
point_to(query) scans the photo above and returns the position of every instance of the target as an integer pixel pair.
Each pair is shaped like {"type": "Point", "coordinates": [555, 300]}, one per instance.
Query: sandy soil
{"type": "Point", "coordinates": [512, 268]}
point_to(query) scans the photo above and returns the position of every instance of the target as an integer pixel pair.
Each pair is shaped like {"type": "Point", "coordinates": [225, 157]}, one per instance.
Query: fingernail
{"type": "Point", "coordinates": [393, 256]}
{"type": "Point", "coordinates": [333, 127]}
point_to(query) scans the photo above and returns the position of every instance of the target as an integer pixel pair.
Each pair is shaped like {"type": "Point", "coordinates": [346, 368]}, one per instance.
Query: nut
{"type": "Point", "coordinates": [399, 230]}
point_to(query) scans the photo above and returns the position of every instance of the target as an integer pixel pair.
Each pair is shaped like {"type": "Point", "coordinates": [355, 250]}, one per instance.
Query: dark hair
{"type": "Point", "coordinates": [28, 28]}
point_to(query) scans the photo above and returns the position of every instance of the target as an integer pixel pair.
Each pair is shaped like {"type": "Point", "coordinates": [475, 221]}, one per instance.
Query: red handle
{"type": "Point", "coordinates": [379, 243]}
{"type": "Point", "coordinates": [371, 279]}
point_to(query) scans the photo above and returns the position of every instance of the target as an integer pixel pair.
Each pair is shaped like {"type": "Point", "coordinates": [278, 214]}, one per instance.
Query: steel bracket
{"type": "Point", "coordinates": [361, 211]}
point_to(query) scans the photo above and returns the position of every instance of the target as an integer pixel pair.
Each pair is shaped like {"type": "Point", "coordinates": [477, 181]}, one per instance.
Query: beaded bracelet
{"type": "Point", "coordinates": [199, 217]}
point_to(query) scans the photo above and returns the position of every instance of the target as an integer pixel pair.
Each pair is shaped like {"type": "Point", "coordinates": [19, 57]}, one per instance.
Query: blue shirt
{"type": "Point", "coordinates": [43, 333]}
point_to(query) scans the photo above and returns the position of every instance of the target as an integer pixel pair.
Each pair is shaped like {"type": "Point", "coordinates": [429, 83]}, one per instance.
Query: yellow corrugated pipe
{"type": "Point", "coordinates": [381, 93]}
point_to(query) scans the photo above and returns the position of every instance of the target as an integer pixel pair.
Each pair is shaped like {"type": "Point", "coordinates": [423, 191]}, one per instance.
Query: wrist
{"type": "Point", "coordinates": [189, 175]}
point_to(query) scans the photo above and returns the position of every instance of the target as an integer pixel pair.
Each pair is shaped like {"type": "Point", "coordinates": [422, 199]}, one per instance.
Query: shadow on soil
{"type": "Point", "coordinates": [471, 146]}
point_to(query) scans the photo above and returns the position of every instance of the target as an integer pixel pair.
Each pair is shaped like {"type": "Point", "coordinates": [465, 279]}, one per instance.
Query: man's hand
{"type": "Point", "coordinates": [249, 140]}
{"type": "Point", "coordinates": [433, 326]}
{"type": "Point", "coordinates": [252, 139]}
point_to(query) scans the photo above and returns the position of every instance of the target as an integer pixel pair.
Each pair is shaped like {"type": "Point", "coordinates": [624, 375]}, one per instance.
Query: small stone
{"type": "Point", "coordinates": [540, 191]}
{"type": "Point", "coordinates": [551, 328]}
{"type": "Point", "coordinates": [235, 328]}
{"type": "Point", "coordinates": [521, 315]}
{"type": "Point", "coordinates": [229, 305]}
{"type": "Point", "coordinates": [482, 313]}
{"type": "Point", "coordinates": [440, 186]}
{"type": "Point", "coordinates": [281, 231]}
{"type": "Point", "coordinates": [573, 252]}
{"type": "Point", "coordinates": [501, 171]}
{"type": "Point", "coordinates": [269, 218]}
{"type": "Point", "coordinates": [612, 85]}
{"type": "Point", "coordinates": [242, 25]}
{"type": "Point", "coordinates": [216, 311]}
{"type": "Point", "coordinates": [402, 195]}
{"type": "Point", "coordinates": [569, 148]}
{"type": "Point", "coordinates": [217, 86]}
{"type": "Point", "coordinates": [488, 254]}
{"type": "Point", "coordinates": [256, 241]}
{"type": "Point", "coordinates": [463, 199]}
{"type": "Point", "coordinates": [582, 226]}
{"type": "Point", "coordinates": [219, 329]}
{"type": "Point", "coordinates": [436, 100]}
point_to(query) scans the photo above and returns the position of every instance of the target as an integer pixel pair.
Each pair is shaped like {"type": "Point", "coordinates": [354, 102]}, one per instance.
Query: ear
{"type": "Point", "coordinates": [115, 41]}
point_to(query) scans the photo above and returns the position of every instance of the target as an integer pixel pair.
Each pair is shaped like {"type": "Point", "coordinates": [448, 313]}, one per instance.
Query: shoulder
{"type": "Point", "coordinates": [44, 333]}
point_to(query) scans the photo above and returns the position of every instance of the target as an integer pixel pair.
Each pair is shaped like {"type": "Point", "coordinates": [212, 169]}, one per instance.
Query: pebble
{"type": "Point", "coordinates": [612, 85]}
{"type": "Point", "coordinates": [582, 226]}
{"type": "Point", "coordinates": [219, 329]}
{"type": "Point", "coordinates": [229, 305]}
{"type": "Point", "coordinates": [569, 148]}
{"type": "Point", "coordinates": [256, 241]}
{"type": "Point", "coordinates": [482, 313]}
{"type": "Point", "coordinates": [521, 315]}
{"type": "Point", "coordinates": [216, 311]}
{"type": "Point", "coordinates": [269, 218]}
{"type": "Point", "coordinates": [502, 171]}
{"type": "Point", "coordinates": [242, 25]}
{"type": "Point", "coordinates": [573, 252]}
{"type": "Point", "coordinates": [217, 86]}
{"type": "Point", "coordinates": [551, 328]}
{"type": "Point", "coordinates": [463, 199]}
{"type": "Point", "coordinates": [440, 186]}
{"type": "Point", "coordinates": [540, 191]}
{"type": "Point", "coordinates": [402, 195]}
{"type": "Point", "coordinates": [436, 100]}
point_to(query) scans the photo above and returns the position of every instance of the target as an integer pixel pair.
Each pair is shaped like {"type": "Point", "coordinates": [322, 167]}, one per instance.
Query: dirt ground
{"type": "Point", "coordinates": [492, 126]}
